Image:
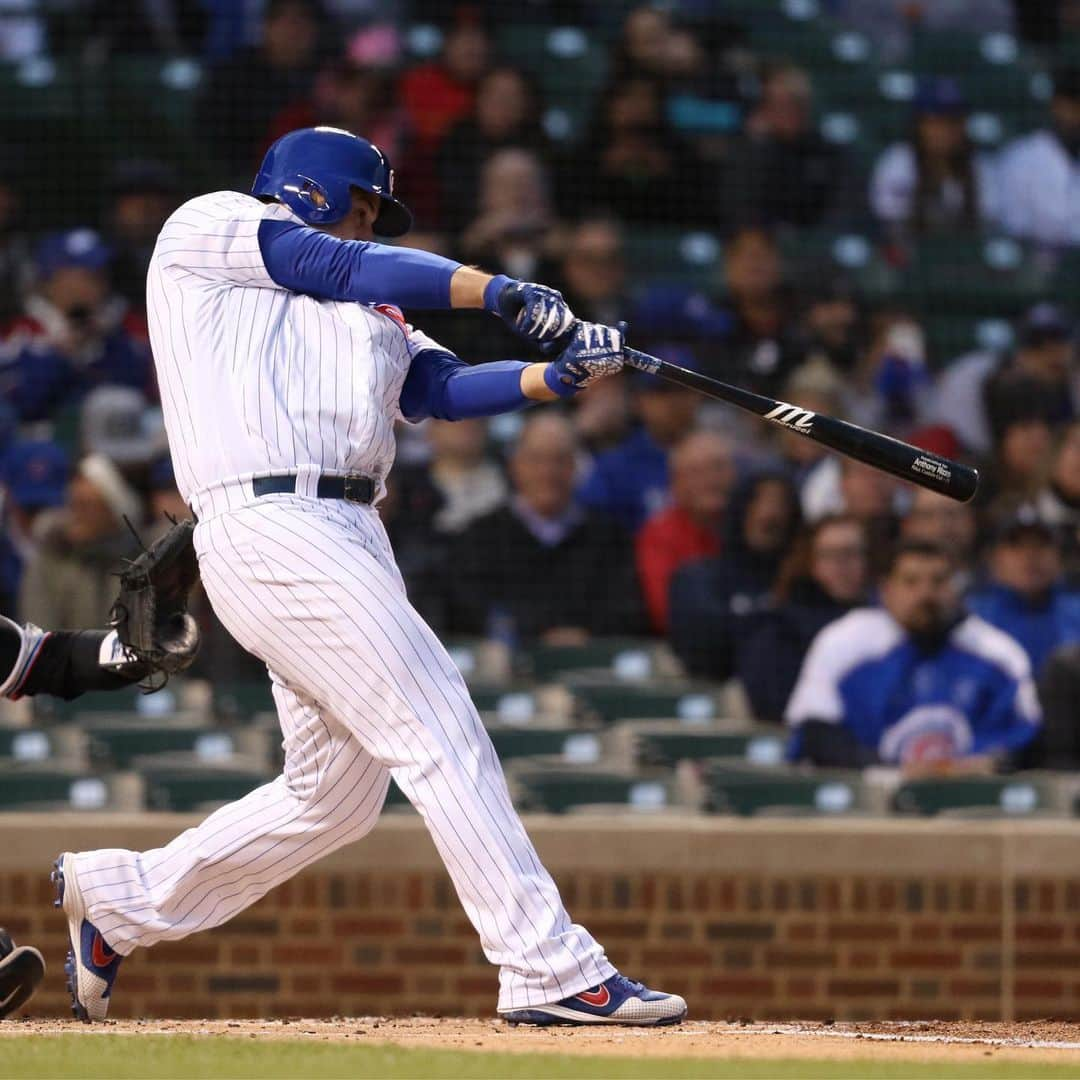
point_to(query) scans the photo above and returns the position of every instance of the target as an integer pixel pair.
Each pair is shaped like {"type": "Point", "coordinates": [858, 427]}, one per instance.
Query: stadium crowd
{"type": "Point", "coordinates": [841, 601]}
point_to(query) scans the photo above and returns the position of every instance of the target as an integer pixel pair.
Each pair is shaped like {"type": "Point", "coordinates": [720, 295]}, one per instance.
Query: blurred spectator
{"type": "Point", "coordinates": [914, 682]}
{"type": "Point", "coordinates": [890, 386]}
{"type": "Point", "coordinates": [1023, 442]}
{"type": "Point", "coordinates": [351, 97]}
{"type": "Point", "coordinates": [630, 481]}
{"type": "Point", "coordinates": [935, 181]}
{"type": "Point", "coordinates": [842, 485]}
{"type": "Point", "coordinates": [817, 387]}
{"type": "Point", "coordinates": [831, 326]}
{"type": "Point", "coordinates": [171, 27]}
{"type": "Point", "coordinates": [504, 115]}
{"type": "Point", "coordinates": [408, 514]}
{"type": "Point", "coordinates": [826, 574]}
{"type": "Point", "coordinates": [1039, 174]}
{"type": "Point", "coordinates": [1059, 502]}
{"type": "Point", "coordinates": [783, 172]}
{"type": "Point", "coordinates": [702, 474]}
{"type": "Point", "coordinates": [141, 195]}
{"type": "Point", "coordinates": [69, 580]}
{"type": "Point", "coordinates": [601, 415]}
{"type": "Point", "coordinates": [34, 475]}
{"type": "Point", "coordinates": [1025, 595]}
{"type": "Point", "coordinates": [543, 567]}
{"type": "Point", "coordinates": [509, 233]}
{"type": "Point", "coordinates": [936, 519]}
{"type": "Point", "coordinates": [592, 271]}
{"type": "Point", "coordinates": [243, 94]}
{"type": "Point", "coordinates": [118, 422]}
{"type": "Point", "coordinates": [892, 25]}
{"type": "Point", "coordinates": [471, 484]}
{"type": "Point", "coordinates": [760, 346]}
{"type": "Point", "coordinates": [164, 501]}
{"type": "Point", "coordinates": [75, 333]}
{"type": "Point", "coordinates": [633, 165]}
{"type": "Point", "coordinates": [713, 601]}
{"type": "Point", "coordinates": [16, 260]}
{"type": "Point", "coordinates": [436, 95]}
{"type": "Point", "coordinates": [967, 390]}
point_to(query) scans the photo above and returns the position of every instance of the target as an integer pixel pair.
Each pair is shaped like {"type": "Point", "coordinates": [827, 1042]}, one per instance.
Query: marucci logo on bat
{"type": "Point", "coordinates": [791, 416]}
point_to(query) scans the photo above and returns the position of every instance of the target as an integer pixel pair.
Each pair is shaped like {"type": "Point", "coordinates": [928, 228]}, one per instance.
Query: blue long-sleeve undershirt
{"type": "Point", "coordinates": [440, 385]}
{"type": "Point", "coordinates": [308, 261]}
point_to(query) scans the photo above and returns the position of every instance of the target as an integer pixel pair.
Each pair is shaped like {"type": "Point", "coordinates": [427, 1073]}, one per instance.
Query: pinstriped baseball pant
{"type": "Point", "coordinates": [365, 692]}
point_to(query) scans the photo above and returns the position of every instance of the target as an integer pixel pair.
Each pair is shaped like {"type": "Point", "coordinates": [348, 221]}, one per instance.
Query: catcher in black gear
{"type": "Point", "coordinates": [152, 636]}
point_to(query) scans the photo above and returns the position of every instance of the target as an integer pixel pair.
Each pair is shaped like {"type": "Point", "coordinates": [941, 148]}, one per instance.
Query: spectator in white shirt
{"type": "Point", "coordinates": [935, 181]}
{"type": "Point", "coordinates": [1039, 174]}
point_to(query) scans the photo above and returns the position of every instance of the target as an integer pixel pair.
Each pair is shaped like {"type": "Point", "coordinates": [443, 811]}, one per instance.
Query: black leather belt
{"type": "Point", "coordinates": [354, 488]}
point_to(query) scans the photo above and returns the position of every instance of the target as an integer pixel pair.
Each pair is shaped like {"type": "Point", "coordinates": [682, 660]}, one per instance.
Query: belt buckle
{"type": "Point", "coordinates": [357, 489]}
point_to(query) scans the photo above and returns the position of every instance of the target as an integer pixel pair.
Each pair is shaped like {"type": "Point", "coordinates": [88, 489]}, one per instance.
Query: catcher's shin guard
{"type": "Point", "coordinates": [22, 968]}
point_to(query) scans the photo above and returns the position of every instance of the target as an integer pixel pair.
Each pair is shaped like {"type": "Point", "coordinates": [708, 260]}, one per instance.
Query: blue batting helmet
{"type": "Point", "coordinates": [312, 169]}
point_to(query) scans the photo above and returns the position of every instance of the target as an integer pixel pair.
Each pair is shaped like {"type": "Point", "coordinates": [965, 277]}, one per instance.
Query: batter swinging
{"type": "Point", "coordinates": [284, 362]}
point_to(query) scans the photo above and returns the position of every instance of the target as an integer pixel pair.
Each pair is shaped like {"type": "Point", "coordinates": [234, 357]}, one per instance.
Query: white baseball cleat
{"type": "Point", "coordinates": [617, 1000]}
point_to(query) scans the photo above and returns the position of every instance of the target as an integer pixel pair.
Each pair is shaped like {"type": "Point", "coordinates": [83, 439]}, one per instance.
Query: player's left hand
{"type": "Point", "coordinates": [537, 312]}
{"type": "Point", "coordinates": [593, 352]}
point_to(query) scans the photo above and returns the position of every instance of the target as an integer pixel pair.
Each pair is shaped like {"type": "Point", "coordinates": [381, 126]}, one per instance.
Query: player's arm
{"type": "Point", "coordinates": [305, 260]}
{"type": "Point", "coordinates": [440, 385]}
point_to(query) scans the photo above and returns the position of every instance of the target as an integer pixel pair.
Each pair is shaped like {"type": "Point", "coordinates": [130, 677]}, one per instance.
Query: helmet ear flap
{"type": "Point", "coordinates": [316, 202]}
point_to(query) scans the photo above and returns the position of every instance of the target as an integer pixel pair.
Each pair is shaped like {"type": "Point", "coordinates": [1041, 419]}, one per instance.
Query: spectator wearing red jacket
{"type": "Point", "coordinates": [702, 475]}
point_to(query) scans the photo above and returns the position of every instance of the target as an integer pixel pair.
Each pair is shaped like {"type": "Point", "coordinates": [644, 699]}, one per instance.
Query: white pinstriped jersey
{"type": "Point", "coordinates": [256, 379]}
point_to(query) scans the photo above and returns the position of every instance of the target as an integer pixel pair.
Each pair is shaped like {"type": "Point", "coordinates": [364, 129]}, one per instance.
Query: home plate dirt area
{"type": "Point", "coordinates": [1043, 1041]}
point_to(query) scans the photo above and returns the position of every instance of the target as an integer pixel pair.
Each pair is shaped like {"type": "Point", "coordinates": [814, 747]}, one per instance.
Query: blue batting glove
{"type": "Point", "coordinates": [537, 312]}
{"type": "Point", "coordinates": [594, 352]}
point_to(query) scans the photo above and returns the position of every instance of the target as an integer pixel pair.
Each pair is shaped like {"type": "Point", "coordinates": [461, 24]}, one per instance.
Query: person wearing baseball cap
{"type": "Point", "coordinates": [74, 333]}
{"type": "Point", "coordinates": [1039, 173]}
{"type": "Point", "coordinates": [934, 181]}
{"type": "Point", "coordinates": [1025, 595]}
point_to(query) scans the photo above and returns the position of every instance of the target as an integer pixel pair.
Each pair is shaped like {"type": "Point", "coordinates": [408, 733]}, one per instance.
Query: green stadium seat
{"type": "Point", "coordinates": [58, 711]}
{"type": "Point", "coordinates": [555, 790]}
{"type": "Point", "coordinates": [627, 657]}
{"type": "Point", "coordinates": [40, 88]}
{"type": "Point", "coordinates": [572, 744]}
{"type": "Point", "coordinates": [736, 787]}
{"type": "Point", "coordinates": [118, 741]}
{"type": "Point", "coordinates": [1012, 796]}
{"type": "Point", "coordinates": [668, 746]}
{"type": "Point", "coordinates": [971, 275]}
{"type": "Point", "coordinates": [34, 786]}
{"type": "Point", "coordinates": [689, 256]}
{"type": "Point", "coordinates": [27, 744]}
{"type": "Point", "coordinates": [186, 785]}
{"type": "Point", "coordinates": [242, 701]}
{"type": "Point", "coordinates": [612, 700]}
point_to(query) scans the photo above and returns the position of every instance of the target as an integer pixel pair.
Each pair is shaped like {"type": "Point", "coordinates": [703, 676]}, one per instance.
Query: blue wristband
{"type": "Point", "coordinates": [556, 384]}
{"type": "Point", "coordinates": [492, 290]}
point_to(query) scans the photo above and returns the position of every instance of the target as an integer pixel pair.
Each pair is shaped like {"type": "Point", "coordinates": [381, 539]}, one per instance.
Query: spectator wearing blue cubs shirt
{"type": "Point", "coordinates": [1025, 595]}
{"type": "Point", "coordinates": [913, 681]}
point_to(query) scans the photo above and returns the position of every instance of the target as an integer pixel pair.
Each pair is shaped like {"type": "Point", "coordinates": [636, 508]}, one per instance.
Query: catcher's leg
{"type": "Point", "coordinates": [64, 663]}
{"type": "Point", "coordinates": [21, 970]}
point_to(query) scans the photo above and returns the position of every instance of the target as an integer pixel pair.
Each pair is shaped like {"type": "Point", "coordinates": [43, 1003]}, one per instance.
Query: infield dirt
{"type": "Point", "coordinates": [1034, 1041]}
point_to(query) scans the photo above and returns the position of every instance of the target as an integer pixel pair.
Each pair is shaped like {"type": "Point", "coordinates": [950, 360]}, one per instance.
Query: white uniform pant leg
{"type": "Point", "coordinates": [313, 589]}
{"type": "Point", "coordinates": [331, 793]}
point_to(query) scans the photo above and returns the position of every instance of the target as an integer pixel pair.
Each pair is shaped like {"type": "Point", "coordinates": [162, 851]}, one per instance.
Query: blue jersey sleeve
{"type": "Point", "coordinates": [305, 260]}
{"type": "Point", "coordinates": [441, 386]}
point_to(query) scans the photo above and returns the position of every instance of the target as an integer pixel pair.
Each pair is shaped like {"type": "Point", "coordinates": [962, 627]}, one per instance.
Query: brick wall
{"type": "Point", "coordinates": [757, 919]}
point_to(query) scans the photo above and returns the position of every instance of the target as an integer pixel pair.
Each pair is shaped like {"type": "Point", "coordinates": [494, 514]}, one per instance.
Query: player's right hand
{"type": "Point", "coordinates": [537, 312]}
{"type": "Point", "coordinates": [593, 352]}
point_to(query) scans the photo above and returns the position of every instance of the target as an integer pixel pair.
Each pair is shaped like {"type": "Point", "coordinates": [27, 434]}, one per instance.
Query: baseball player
{"type": "Point", "coordinates": [284, 362]}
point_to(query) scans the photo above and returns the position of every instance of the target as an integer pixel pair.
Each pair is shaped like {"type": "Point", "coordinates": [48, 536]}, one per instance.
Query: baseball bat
{"type": "Point", "coordinates": [940, 474]}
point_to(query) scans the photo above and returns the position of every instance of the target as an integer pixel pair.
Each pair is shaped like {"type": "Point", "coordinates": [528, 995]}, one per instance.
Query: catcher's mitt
{"type": "Point", "coordinates": [21, 969]}
{"type": "Point", "coordinates": [150, 613]}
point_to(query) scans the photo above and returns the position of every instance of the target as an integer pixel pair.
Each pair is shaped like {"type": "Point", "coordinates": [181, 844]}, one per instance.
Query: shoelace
{"type": "Point", "coordinates": [627, 985]}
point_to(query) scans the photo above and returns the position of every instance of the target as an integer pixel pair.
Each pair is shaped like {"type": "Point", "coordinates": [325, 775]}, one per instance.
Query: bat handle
{"type": "Point", "coordinates": [641, 361]}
